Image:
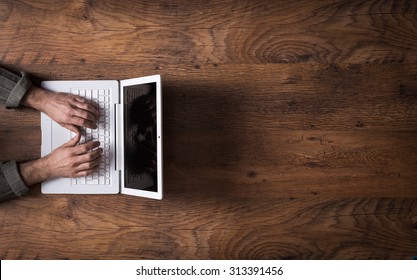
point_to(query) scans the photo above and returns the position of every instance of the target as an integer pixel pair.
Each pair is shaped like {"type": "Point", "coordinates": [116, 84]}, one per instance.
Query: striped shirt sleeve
{"type": "Point", "coordinates": [11, 183]}
{"type": "Point", "coordinates": [13, 87]}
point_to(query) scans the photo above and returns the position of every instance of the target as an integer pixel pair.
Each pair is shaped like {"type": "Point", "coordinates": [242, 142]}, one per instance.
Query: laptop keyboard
{"type": "Point", "coordinates": [101, 176]}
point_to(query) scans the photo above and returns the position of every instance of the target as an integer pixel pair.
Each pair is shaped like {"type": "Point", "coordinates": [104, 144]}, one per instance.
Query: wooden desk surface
{"type": "Point", "coordinates": [290, 128]}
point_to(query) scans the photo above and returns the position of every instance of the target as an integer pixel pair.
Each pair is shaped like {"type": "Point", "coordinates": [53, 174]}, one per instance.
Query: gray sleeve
{"type": "Point", "coordinates": [11, 183]}
{"type": "Point", "coordinates": [13, 87]}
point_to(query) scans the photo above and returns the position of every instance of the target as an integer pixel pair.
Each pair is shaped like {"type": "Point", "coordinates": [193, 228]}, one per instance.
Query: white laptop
{"type": "Point", "coordinates": [130, 133]}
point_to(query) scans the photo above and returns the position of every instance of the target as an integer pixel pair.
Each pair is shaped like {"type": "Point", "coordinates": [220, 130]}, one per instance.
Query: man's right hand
{"type": "Point", "coordinates": [69, 160]}
{"type": "Point", "coordinates": [72, 160]}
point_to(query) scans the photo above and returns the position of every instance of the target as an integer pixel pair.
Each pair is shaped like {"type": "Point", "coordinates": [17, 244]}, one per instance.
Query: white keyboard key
{"type": "Point", "coordinates": [92, 182]}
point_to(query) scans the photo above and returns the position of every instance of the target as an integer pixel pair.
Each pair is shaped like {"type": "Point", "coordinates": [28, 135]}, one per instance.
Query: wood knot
{"type": "Point", "coordinates": [359, 124]}
{"type": "Point", "coordinates": [252, 174]}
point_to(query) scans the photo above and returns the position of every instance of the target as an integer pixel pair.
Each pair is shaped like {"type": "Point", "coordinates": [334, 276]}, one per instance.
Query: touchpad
{"type": "Point", "coordinates": [60, 135]}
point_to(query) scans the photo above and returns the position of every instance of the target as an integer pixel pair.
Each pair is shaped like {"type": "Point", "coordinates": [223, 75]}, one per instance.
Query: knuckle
{"type": "Point", "coordinates": [66, 118]}
{"type": "Point", "coordinates": [72, 162]}
{"type": "Point", "coordinates": [74, 99]}
{"type": "Point", "coordinates": [90, 156]}
{"type": "Point", "coordinates": [79, 122]}
{"type": "Point", "coordinates": [69, 110]}
{"type": "Point", "coordinates": [68, 154]}
{"type": "Point", "coordinates": [84, 148]}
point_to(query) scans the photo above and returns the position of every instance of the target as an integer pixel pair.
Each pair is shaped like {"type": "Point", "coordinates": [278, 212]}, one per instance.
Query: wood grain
{"type": "Point", "coordinates": [289, 128]}
{"type": "Point", "coordinates": [99, 32]}
{"type": "Point", "coordinates": [205, 228]}
{"type": "Point", "coordinates": [284, 97]}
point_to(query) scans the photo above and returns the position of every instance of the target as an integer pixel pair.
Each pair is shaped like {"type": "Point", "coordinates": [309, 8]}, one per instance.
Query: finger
{"type": "Point", "coordinates": [88, 106]}
{"type": "Point", "coordinates": [82, 122]}
{"type": "Point", "coordinates": [90, 156]}
{"type": "Point", "coordinates": [85, 172]}
{"type": "Point", "coordinates": [73, 141]}
{"type": "Point", "coordinates": [83, 114]}
{"type": "Point", "coordinates": [84, 148]}
{"type": "Point", "coordinates": [88, 165]}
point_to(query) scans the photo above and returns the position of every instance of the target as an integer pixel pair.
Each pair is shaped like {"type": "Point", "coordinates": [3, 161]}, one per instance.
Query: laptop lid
{"type": "Point", "coordinates": [140, 137]}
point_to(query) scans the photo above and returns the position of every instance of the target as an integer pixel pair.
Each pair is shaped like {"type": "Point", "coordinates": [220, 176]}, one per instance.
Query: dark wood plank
{"type": "Point", "coordinates": [290, 164]}
{"type": "Point", "coordinates": [209, 227]}
{"type": "Point", "coordinates": [335, 97]}
{"type": "Point", "coordinates": [68, 32]}
{"type": "Point", "coordinates": [20, 134]}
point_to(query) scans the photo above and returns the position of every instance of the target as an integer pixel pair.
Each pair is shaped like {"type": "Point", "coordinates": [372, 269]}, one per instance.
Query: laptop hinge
{"type": "Point", "coordinates": [118, 136]}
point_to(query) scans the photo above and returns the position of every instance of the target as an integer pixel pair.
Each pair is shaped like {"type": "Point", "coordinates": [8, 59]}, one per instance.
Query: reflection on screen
{"type": "Point", "coordinates": [140, 137]}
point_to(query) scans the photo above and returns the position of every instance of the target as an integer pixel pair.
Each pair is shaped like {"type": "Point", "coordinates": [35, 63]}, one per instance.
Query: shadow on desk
{"type": "Point", "coordinates": [206, 145]}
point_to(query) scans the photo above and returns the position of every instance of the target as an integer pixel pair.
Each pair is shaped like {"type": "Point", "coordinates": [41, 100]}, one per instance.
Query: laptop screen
{"type": "Point", "coordinates": [140, 148]}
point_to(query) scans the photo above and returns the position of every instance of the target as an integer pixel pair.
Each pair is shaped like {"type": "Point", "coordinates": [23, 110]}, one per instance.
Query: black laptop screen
{"type": "Point", "coordinates": [140, 150]}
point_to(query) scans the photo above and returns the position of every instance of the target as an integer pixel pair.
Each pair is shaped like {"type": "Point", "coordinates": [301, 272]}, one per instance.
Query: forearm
{"type": "Point", "coordinates": [35, 98]}
{"type": "Point", "coordinates": [33, 172]}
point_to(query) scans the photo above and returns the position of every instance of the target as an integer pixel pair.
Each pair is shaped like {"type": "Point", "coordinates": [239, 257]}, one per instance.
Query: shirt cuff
{"type": "Point", "coordinates": [13, 178]}
{"type": "Point", "coordinates": [18, 91]}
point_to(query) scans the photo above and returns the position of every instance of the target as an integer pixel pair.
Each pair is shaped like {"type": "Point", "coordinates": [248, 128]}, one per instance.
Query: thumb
{"type": "Point", "coordinates": [73, 141]}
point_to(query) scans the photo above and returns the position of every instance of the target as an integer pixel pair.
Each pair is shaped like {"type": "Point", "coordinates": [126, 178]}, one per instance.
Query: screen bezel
{"type": "Point", "coordinates": [138, 81]}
